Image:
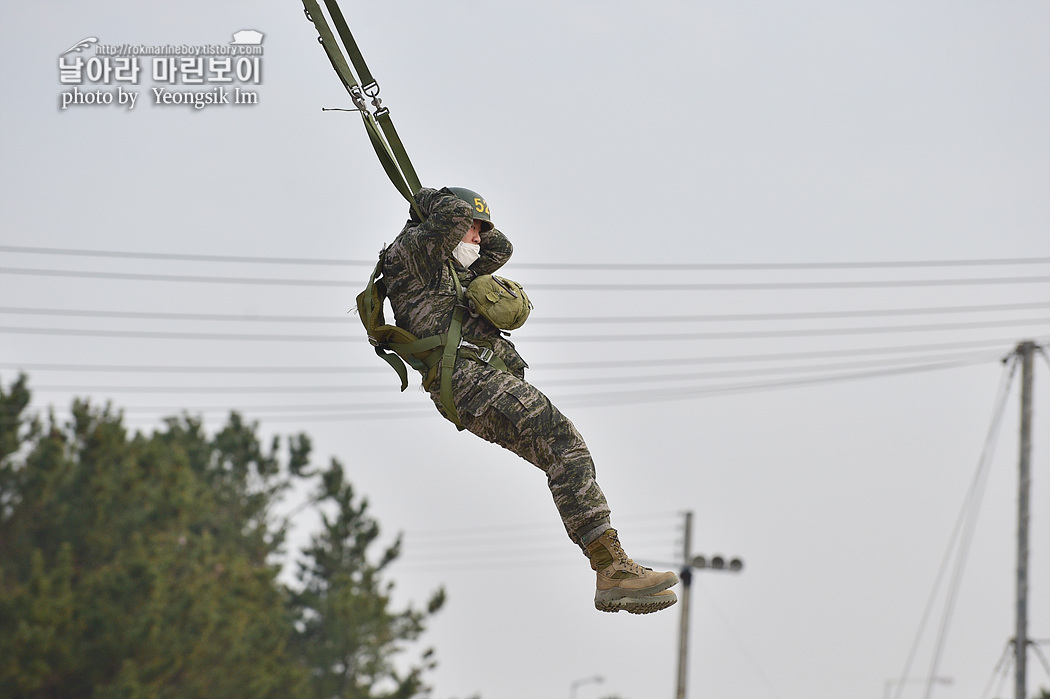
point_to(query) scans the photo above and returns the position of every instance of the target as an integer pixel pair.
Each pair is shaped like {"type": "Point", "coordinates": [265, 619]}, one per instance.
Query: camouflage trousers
{"type": "Point", "coordinates": [504, 409]}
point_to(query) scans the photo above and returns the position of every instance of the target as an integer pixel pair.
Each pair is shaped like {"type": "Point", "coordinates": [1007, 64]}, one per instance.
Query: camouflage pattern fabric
{"type": "Point", "coordinates": [497, 406]}
{"type": "Point", "coordinates": [419, 282]}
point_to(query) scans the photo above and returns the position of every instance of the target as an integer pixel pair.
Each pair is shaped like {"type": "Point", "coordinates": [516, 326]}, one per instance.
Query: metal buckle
{"type": "Point", "coordinates": [358, 98]}
{"type": "Point", "coordinates": [483, 353]}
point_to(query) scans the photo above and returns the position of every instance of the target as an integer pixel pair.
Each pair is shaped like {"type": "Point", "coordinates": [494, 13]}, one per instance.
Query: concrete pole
{"type": "Point", "coordinates": [1026, 350]}
{"type": "Point", "coordinates": [683, 601]}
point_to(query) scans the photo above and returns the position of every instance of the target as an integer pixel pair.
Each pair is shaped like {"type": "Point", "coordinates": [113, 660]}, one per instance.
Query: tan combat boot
{"type": "Point", "coordinates": [623, 584]}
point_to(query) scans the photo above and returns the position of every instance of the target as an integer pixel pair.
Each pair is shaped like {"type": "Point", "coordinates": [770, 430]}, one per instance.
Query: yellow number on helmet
{"type": "Point", "coordinates": [476, 202]}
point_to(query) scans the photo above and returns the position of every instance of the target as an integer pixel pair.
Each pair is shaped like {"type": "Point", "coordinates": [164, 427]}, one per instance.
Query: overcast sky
{"type": "Point", "coordinates": [818, 400]}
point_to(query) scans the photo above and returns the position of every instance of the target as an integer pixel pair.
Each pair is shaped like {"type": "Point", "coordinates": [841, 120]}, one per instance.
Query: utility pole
{"type": "Point", "coordinates": [1025, 350]}
{"type": "Point", "coordinates": [689, 561]}
{"type": "Point", "coordinates": [687, 584]}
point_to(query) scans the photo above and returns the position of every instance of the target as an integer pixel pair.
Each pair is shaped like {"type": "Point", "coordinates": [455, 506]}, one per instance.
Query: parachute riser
{"type": "Point", "coordinates": [381, 132]}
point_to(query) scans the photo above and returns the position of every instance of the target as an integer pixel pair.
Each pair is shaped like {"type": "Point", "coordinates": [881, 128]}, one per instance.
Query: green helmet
{"type": "Point", "coordinates": [480, 206]}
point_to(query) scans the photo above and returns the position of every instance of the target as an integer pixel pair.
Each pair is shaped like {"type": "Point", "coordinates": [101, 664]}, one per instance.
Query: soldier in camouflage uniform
{"type": "Point", "coordinates": [500, 406]}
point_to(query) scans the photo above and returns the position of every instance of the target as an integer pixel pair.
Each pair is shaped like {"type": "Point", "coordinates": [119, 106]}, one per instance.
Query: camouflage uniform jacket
{"type": "Point", "coordinates": [419, 280]}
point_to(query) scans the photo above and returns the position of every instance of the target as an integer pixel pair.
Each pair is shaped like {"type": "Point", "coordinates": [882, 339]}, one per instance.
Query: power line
{"type": "Point", "coordinates": [614, 266]}
{"type": "Point", "coordinates": [574, 381]}
{"type": "Point", "coordinates": [766, 357]}
{"type": "Point", "coordinates": [493, 529]}
{"type": "Point", "coordinates": [195, 279]}
{"type": "Point", "coordinates": [170, 369]}
{"type": "Point", "coordinates": [671, 394]}
{"type": "Point", "coordinates": [226, 390]}
{"type": "Point", "coordinates": [77, 252]}
{"type": "Point", "coordinates": [796, 315]}
{"type": "Point", "coordinates": [766, 371]}
{"type": "Point", "coordinates": [1001, 671]}
{"type": "Point", "coordinates": [556, 366]}
{"type": "Point", "coordinates": [487, 544]}
{"type": "Point", "coordinates": [474, 544]}
{"type": "Point", "coordinates": [748, 655]}
{"type": "Point", "coordinates": [494, 549]}
{"type": "Point", "coordinates": [566, 320]}
{"type": "Point", "coordinates": [1042, 657]}
{"type": "Point", "coordinates": [770, 266]}
{"type": "Point", "coordinates": [962, 532]}
{"type": "Point", "coordinates": [547, 286]}
{"type": "Point", "coordinates": [794, 332]}
{"type": "Point", "coordinates": [755, 286]}
{"type": "Point", "coordinates": [486, 564]}
{"type": "Point", "coordinates": [663, 337]}
{"type": "Point", "coordinates": [175, 335]}
{"type": "Point", "coordinates": [373, 410]}
{"type": "Point", "coordinates": [156, 315]}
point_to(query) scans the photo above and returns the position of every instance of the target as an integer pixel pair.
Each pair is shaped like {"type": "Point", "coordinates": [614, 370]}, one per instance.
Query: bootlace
{"type": "Point", "coordinates": [621, 555]}
{"type": "Point", "coordinates": [617, 550]}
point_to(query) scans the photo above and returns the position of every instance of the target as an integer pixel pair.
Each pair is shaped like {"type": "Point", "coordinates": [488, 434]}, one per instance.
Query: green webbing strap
{"type": "Point", "coordinates": [397, 353]}
{"type": "Point", "coordinates": [395, 363]}
{"type": "Point", "coordinates": [498, 363]}
{"type": "Point", "coordinates": [386, 159]}
{"type": "Point", "coordinates": [329, 44]}
{"type": "Point", "coordinates": [421, 345]}
{"type": "Point", "coordinates": [348, 41]}
{"type": "Point", "coordinates": [370, 314]}
{"type": "Point", "coordinates": [448, 357]}
{"type": "Point", "coordinates": [398, 148]}
{"type": "Point", "coordinates": [382, 114]}
{"type": "Point", "coordinates": [391, 151]}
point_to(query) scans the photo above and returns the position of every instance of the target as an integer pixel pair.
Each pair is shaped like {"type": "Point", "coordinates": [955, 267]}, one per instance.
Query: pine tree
{"type": "Point", "coordinates": [348, 633]}
{"type": "Point", "coordinates": [146, 567]}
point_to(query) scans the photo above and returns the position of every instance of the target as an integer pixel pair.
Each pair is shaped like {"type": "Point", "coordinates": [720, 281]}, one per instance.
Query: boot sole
{"type": "Point", "coordinates": [638, 605]}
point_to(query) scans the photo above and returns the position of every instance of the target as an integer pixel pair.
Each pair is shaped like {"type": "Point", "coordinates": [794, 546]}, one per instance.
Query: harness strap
{"type": "Point", "coordinates": [433, 364]}
{"type": "Point", "coordinates": [448, 356]}
{"type": "Point", "coordinates": [348, 41]}
{"type": "Point", "coordinates": [421, 345]}
{"type": "Point", "coordinates": [387, 145]}
{"type": "Point", "coordinates": [396, 149]}
{"type": "Point", "coordinates": [329, 44]}
{"type": "Point", "coordinates": [395, 363]}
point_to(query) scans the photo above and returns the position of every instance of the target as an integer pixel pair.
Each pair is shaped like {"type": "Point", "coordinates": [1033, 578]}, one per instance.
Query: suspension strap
{"type": "Point", "coordinates": [380, 128]}
{"type": "Point", "coordinates": [448, 356]}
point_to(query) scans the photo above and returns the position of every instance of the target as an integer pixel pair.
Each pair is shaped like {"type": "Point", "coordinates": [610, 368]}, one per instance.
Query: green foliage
{"type": "Point", "coordinates": [348, 631]}
{"type": "Point", "coordinates": [146, 567]}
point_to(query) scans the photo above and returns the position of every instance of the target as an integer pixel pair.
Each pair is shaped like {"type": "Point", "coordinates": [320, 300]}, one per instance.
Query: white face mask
{"type": "Point", "coordinates": [466, 253]}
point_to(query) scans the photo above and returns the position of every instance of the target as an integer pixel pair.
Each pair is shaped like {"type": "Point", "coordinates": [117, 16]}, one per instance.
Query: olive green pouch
{"type": "Point", "coordinates": [502, 301]}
